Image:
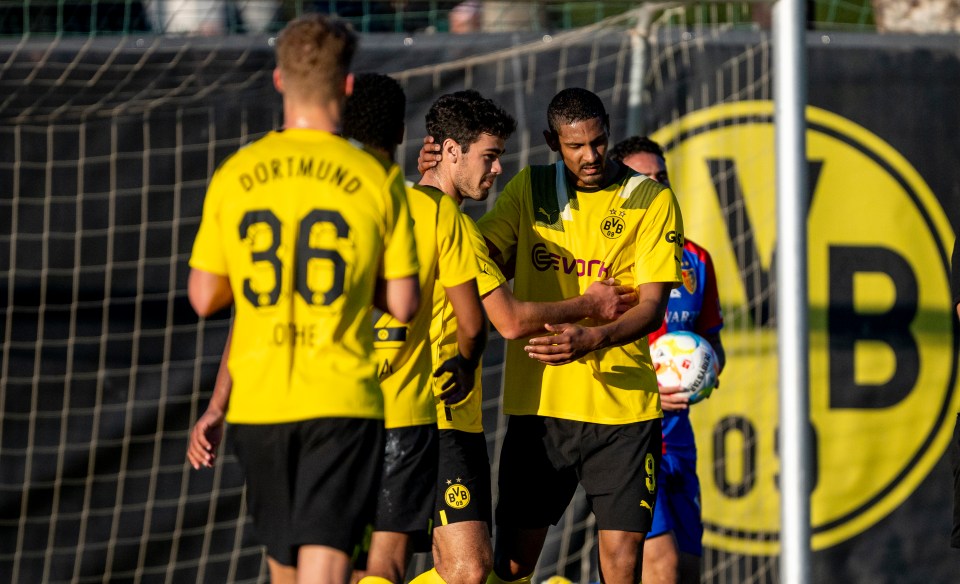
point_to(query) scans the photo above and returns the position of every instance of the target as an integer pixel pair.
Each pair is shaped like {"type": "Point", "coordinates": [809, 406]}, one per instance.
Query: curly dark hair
{"type": "Point", "coordinates": [375, 111]}
{"type": "Point", "coordinates": [464, 115]}
{"type": "Point", "coordinates": [575, 104]}
{"type": "Point", "coordinates": [635, 144]}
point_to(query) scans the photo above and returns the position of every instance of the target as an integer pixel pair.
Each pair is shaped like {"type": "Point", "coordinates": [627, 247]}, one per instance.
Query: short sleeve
{"type": "Point", "coordinates": [209, 254]}
{"type": "Point", "coordinates": [456, 261]}
{"type": "Point", "coordinates": [501, 225]}
{"type": "Point", "coordinates": [400, 250]}
{"type": "Point", "coordinates": [490, 277]}
{"type": "Point", "coordinates": [659, 246]}
{"type": "Point", "coordinates": [710, 319]}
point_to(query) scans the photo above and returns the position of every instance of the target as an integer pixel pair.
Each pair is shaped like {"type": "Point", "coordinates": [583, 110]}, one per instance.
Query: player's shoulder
{"type": "Point", "coordinates": [251, 153]}
{"type": "Point", "coordinates": [521, 180]}
{"type": "Point", "coordinates": [640, 191]}
{"type": "Point", "coordinates": [427, 194]}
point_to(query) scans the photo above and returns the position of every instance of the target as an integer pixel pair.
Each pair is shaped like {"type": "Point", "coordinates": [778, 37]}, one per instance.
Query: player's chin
{"type": "Point", "coordinates": [591, 179]}
{"type": "Point", "coordinates": [479, 194]}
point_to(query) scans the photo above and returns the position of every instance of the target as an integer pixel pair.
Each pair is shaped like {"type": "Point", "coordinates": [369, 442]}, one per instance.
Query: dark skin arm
{"type": "Point", "coordinates": [571, 341]}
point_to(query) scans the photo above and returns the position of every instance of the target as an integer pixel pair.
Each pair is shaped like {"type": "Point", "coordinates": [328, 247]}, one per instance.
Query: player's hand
{"type": "Point", "coordinates": [672, 398]}
{"type": "Point", "coordinates": [429, 155]}
{"type": "Point", "coordinates": [568, 343]}
{"type": "Point", "coordinates": [608, 300]}
{"type": "Point", "coordinates": [458, 385]}
{"type": "Point", "coordinates": [205, 437]}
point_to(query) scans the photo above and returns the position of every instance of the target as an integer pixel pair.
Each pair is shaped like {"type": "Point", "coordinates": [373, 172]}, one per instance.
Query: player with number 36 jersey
{"type": "Point", "coordinates": [304, 217]}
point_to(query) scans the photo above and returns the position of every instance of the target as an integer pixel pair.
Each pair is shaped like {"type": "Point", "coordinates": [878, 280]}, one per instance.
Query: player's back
{"type": "Point", "coordinates": [303, 216]}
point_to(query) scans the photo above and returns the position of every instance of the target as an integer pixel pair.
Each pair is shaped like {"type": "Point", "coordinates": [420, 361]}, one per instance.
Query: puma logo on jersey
{"type": "Point", "coordinates": [547, 216]}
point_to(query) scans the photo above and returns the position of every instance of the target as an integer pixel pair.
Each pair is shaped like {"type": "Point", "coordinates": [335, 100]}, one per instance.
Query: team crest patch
{"type": "Point", "coordinates": [689, 277]}
{"type": "Point", "coordinates": [457, 496]}
{"type": "Point", "coordinates": [612, 225]}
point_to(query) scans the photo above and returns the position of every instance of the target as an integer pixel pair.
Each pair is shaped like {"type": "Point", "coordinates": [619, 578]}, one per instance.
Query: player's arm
{"type": "Point", "coordinates": [471, 341]}
{"type": "Point", "coordinates": [208, 292]}
{"type": "Point", "coordinates": [571, 342]}
{"type": "Point", "coordinates": [207, 433]}
{"type": "Point", "coordinates": [399, 268]}
{"type": "Point", "coordinates": [514, 319]}
{"type": "Point", "coordinates": [398, 296]}
{"type": "Point", "coordinates": [714, 340]}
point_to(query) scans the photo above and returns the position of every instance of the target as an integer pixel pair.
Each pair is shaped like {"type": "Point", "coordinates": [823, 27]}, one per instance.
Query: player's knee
{"type": "Point", "coordinates": [661, 562]}
{"type": "Point", "coordinates": [659, 569]}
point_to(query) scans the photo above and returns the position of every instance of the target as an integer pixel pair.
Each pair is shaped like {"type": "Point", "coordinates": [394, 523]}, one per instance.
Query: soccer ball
{"type": "Point", "coordinates": [686, 359]}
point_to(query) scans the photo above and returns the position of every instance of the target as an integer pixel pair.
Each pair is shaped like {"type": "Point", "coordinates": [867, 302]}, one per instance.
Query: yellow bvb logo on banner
{"type": "Point", "coordinates": [883, 367]}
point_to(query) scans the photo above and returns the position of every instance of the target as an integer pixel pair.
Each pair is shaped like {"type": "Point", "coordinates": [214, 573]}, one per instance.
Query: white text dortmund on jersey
{"type": "Point", "coordinates": [302, 167]}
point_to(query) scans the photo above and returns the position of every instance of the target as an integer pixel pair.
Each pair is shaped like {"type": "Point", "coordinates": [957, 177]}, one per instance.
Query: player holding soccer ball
{"type": "Point", "coordinates": [673, 547]}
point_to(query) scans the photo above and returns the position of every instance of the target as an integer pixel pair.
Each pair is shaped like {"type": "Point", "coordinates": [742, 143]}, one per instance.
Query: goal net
{"type": "Point", "coordinates": [106, 147]}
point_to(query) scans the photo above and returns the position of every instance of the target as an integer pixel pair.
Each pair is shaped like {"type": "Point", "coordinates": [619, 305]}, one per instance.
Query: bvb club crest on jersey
{"type": "Point", "coordinates": [613, 224]}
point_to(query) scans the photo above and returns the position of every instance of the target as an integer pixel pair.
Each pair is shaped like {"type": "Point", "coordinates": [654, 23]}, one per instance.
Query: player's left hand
{"type": "Point", "coordinates": [672, 399]}
{"type": "Point", "coordinates": [568, 343]}
{"type": "Point", "coordinates": [205, 437]}
{"type": "Point", "coordinates": [459, 384]}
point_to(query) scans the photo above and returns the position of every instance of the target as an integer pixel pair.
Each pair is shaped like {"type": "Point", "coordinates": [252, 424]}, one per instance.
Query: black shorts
{"type": "Point", "coordinates": [463, 480]}
{"type": "Point", "coordinates": [955, 456]}
{"type": "Point", "coordinates": [408, 487]}
{"type": "Point", "coordinates": [310, 483]}
{"type": "Point", "coordinates": [543, 459]}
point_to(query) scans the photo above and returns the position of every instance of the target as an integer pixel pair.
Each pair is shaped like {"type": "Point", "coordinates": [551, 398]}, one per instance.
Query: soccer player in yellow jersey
{"type": "Point", "coordinates": [471, 131]}
{"type": "Point", "coordinates": [583, 401]}
{"type": "Point", "coordinates": [374, 116]}
{"type": "Point", "coordinates": [297, 228]}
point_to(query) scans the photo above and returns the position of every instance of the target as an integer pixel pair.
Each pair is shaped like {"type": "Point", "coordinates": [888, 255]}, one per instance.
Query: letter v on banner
{"type": "Point", "coordinates": [883, 369]}
{"type": "Point", "coordinates": [756, 280]}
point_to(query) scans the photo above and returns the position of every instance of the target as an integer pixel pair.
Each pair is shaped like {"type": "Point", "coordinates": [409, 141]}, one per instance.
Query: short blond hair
{"type": "Point", "coordinates": [314, 53]}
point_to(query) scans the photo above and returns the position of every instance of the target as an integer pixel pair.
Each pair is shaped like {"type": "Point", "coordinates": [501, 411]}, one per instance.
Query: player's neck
{"type": "Point", "coordinates": [611, 173]}
{"type": "Point", "coordinates": [440, 181]}
{"type": "Point", "coordinates": [324, 117]}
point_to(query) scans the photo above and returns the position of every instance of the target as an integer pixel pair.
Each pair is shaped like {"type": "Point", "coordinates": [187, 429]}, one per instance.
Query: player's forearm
{"type": "Point", "coordinates": [517, 319]}
{"type": "Point", "coordinates": [635, 324]}
{"type": "Point", "coordinates": [223, 386]}
{"type": "Point", "coordinates": [472, 341]}
{"type": "Point", "coordinates": [714, 340]}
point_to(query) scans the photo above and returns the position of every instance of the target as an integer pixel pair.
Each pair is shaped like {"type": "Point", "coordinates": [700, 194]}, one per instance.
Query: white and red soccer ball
{"type": "Point", "coordinates": [687, 360]}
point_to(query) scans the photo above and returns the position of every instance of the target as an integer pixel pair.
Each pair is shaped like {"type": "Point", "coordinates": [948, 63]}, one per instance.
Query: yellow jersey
{"type": "Point", "coordinates": [301, 222]}
{"type": "Point", "coordinates": [563, 239]}
{"type": "Point", "coordinates": [466, 415]}
{"type": "Point", "coordinates": [403, 351]}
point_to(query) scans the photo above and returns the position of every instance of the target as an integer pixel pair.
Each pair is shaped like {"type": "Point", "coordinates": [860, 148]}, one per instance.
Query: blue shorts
{"type": "Point", "coordinates": [678, 504]}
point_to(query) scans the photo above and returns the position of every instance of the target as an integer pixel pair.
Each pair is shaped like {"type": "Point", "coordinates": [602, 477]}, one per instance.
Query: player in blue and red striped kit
{"type": "Point", "coordinates": [673, 547]}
